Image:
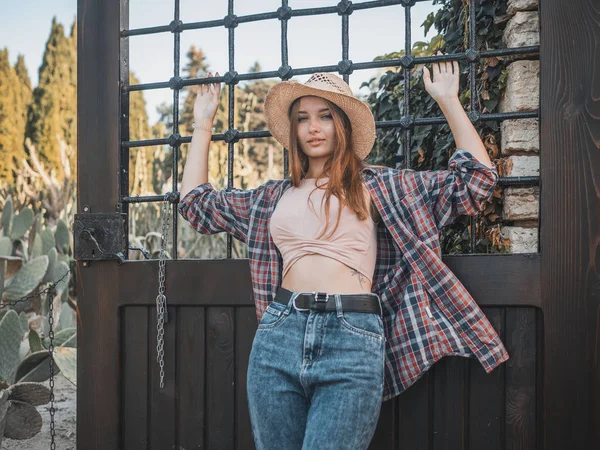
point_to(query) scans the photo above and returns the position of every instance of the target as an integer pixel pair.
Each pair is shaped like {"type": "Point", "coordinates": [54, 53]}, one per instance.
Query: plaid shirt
{"type": "Point", "coordinates": [427, 312]}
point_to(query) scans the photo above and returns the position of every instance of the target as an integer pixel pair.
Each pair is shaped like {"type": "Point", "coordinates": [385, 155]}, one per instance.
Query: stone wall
{"type": "Point", "coordinates": [520, 138]}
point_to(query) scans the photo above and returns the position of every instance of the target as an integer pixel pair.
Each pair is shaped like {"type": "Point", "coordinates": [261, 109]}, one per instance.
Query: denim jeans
{"type": "Point", "coordinates": [315, 379]}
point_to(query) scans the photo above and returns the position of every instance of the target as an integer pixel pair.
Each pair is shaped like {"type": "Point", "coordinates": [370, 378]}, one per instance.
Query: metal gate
{"type": "Point", "coordinates": [545, 396]}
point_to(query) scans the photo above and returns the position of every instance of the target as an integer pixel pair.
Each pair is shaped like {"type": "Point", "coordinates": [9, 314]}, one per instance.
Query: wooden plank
{"type": "Point", "coordinates": [162, 408]}
{"type": "Point", "coordinates": [449, 405]}
{"type": "Point", "coordinates": [570, 218]}
{"type": "Point", "coordinates": [98, 358]}
{"type": "Point", "coordinates": [227, 282]}
{"type": "Point", "coordinates": [478, 274]}
{"type": "Point", "coordinates": [134, 381]}
{"type": "Point", "coordinates": [385, 433]}
{"type": "Point", "coordinates": [189, 282]}
{"type": "Point", "coordinates": [191, 381]}
{"type": "Point", "coordinates": [220, 377]}
{"type": "Point", "coordinates": [520, 379]}
{"type": "Point", "coordinates": [486, 396]}
{"type": "Point", "coordinates": [415, 414]}
{"type": "Point", "coordinates": [245, 330]}
{"type": "Point", "coordinates": [98, 371]}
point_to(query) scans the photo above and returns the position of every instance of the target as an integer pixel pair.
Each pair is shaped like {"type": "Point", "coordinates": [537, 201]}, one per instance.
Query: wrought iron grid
{"type": "Point", "coordinates": [344, 67]}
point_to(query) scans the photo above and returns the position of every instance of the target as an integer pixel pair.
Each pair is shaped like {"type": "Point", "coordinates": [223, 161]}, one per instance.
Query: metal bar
{"type": "Point", "coordinates": [267, 16]}
{"type": "Point", "coordinates": [486, 117]}
{"type": "Point", "coordinates": [473, 100]}
{"type": "Point", "coordinates": [346, 38]}
{"type": "Point", "coordinates": [231, 122]}
{"type": "Point", "coordinates": [534, 49]}
{"type": "Point", "coordinates": [177, 146]}
{"type": "Point", "coordinates": [284, 67]}
{"type": "Point", "coordinates": [124, 122]}
{"type": "Point", "coordinates": [406, 134]}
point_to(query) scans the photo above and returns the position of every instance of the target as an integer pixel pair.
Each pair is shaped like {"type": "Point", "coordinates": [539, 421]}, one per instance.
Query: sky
{"type": "Point", "coordinates": [312, 41]}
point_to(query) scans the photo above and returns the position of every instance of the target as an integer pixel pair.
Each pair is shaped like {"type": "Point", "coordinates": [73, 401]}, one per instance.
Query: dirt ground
{"type": "Point", "coordinates": [65, 404]}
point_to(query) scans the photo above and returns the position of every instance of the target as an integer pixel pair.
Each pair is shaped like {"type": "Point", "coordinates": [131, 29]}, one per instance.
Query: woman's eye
{"type": "Point", "coordinates": [328, 116]}
{"type": "Point", "coordinates": [300, 119]}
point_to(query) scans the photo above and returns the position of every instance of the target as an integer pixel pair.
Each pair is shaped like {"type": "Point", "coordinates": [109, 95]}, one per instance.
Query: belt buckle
{"type": "Point", "coordinates": [321, 298]}
{"type": "Point", "coordinates": [296, 307]}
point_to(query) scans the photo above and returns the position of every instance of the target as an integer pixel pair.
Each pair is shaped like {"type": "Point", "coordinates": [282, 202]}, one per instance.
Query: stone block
{"type": "Point", "coordinates": [522, 30]}
{"type": "Point", "coordinates": [522, 91]}
{"type": "Point", "coordinates": [521, 166]}
{"type": "Point", "coordinates": [520, 136]}
{"type": "Point", "coordinates": [522, 240]}
{"type": "Point", "coordinates": [521, 203]}
{"type": "Point", "coordinates": [521, 5]}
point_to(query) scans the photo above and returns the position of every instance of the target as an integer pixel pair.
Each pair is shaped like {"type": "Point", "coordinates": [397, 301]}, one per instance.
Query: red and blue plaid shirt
{"type": "Point", "coordinates": [427, 312]}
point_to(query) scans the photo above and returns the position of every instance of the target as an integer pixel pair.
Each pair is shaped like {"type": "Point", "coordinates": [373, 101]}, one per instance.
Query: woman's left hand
{"type": "Point", "coordinates": [444, 86]}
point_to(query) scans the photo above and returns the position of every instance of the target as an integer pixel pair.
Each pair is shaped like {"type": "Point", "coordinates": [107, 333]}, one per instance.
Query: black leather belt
{"type": "Point", "coordinates": [321, 301]}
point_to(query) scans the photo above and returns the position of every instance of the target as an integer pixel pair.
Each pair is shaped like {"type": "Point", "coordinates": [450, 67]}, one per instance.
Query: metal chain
{"type": "Point", "coordinates": [51, 360]}
{"type": "Point", "coordinates": [162, 314]}
{"type": "Point", "coordinates": [47, 291]}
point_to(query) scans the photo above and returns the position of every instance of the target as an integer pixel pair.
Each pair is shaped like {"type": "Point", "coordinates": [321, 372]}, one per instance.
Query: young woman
{"type": "Point", "coordinates": [353, 300]}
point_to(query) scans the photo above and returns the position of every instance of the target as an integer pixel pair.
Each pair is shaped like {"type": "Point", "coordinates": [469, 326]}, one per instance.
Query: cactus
{"type": "Point", "coordinates": [49, 277]}
{"type": "Point", "coordinates": [10, 342]}
{"type": "Point", "coordinates": [21, 223]}
{"type": "Point", "coordinates": [35, 367]}
{"type": "Point", "coordinates": [19, 419]}
{"type": "Point", "coordinates": [7, 213]}
{"type": "Point", "coordinates": [36, 248]}
{"type": "Point", "coordinates": [62, 237]}
{"type": "Point", "coordinates": [48, 240]}
{"type": "Point", "coordinates": [6, 246]}
{"type": "Point", "coordinates": [66, 360]}
{"type": "Point", "coordinates": [35, 343]}
{"type": "Point", "coordinates": [27, 278]}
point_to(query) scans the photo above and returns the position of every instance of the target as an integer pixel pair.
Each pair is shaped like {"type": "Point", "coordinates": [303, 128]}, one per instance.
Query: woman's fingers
{"type": "Point", "coordinates": [455, 67]}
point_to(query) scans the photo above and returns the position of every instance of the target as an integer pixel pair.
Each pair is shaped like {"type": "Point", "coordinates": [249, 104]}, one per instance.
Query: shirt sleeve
{"type": "Point", "coordinates": [210, 211]}
{"type": "Point", "coordinates": [459, 190]}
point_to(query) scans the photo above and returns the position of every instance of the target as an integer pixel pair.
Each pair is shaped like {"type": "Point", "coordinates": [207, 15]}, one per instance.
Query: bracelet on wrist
{"type": "Point", "coordinates": [194, 126]}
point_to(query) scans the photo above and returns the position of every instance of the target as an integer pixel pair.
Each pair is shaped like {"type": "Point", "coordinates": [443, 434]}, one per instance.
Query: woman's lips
{"type": "Point", "coordinates": [316, 143]}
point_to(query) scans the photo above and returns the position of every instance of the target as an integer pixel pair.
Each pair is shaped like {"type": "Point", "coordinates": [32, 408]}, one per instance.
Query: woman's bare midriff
{"type": "Point", "coordinates": [322, 274]}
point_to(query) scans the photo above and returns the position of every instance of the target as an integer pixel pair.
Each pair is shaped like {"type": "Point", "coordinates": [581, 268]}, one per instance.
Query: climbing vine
{"type": "Point", "coordinates": [432, 145]}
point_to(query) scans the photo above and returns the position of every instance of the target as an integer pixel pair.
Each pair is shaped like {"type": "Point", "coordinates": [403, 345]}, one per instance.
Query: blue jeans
{"type": "Point", "coordinates": [315, 379]}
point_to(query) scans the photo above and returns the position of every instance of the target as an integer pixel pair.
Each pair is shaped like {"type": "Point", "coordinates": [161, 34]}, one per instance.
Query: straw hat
{"type": "Point", "coordinates": [328, 86]}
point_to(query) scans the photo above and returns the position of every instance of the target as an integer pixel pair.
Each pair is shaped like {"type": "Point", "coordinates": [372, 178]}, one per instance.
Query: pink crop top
{"type": "Point", "coordinates": [295, 225]}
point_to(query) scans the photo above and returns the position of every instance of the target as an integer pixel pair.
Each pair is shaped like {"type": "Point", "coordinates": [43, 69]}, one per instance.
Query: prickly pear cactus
{"type": "Point", "coordinates": [27, 278]}
{"type": "Point", "coordinates": [11, 336]}
{"type": "Point", "coordinates": [19, 418]}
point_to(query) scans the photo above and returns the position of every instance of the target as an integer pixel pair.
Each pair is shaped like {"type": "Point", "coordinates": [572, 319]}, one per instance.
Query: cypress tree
{"type": "Point", "coordinates": [52, 116]}
{"type": "Point", "coordinates": [15, 94]}
{"type": "Point", "coordinates": [140, 158]}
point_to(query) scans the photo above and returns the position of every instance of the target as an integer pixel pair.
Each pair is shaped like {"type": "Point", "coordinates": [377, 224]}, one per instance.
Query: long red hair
{"type": "Point", "coordinates": [344, 167]}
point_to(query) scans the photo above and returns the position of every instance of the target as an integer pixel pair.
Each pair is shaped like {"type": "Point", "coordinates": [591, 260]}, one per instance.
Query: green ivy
{"type": "Point", "coordinates": [432, 145]}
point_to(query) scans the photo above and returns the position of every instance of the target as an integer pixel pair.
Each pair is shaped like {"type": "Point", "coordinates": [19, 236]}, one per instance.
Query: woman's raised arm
{"type": "Point", "coordinates": [195, 171]}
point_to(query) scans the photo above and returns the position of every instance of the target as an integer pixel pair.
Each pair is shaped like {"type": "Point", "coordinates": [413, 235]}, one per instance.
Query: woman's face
{"type": "Point", "coordinates": [316, 132]}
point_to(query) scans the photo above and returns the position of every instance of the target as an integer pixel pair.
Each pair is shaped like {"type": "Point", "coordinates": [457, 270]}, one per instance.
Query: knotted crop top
{"type": "Point", "coordinates": [295, 226]}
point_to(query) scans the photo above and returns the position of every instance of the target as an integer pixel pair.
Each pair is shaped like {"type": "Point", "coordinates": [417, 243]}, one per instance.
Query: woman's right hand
{"type": "Point", "coordinates": [207, 102]}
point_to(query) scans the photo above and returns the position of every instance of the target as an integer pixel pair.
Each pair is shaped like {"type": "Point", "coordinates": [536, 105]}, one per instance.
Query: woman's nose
{"type": "Point", "coordinates": [314, 126]}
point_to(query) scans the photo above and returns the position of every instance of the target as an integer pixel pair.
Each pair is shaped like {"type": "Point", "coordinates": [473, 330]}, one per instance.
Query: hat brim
{"type": "Point", "coordinates": [283, 94]}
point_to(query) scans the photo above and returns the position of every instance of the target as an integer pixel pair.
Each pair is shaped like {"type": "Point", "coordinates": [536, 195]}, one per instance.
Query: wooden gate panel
{"type": "Point", "coordinates": [191, 382]}
{"type": "Point", "coordinates": [135, 356]}
{"type": "Point", "coordinates": [521, 378]}
{"type": "Point", "coordinates": [487, 396]}
{"type": "Point", "coordinates": [162, 400]}
{"type": "Point", "coordinates": [245, 325]}
{"type": "Point", "coordinates": [219, 377]}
